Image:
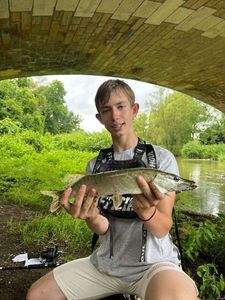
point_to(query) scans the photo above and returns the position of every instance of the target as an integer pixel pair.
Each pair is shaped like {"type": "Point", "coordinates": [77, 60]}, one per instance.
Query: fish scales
{"type": "Point", "coordinates": [115, 182]}
{"type": "Point", "coordinates": [121, 182]}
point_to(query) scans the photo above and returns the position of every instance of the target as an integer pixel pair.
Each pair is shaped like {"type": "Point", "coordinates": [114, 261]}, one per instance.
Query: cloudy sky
{"type": "Point", "coordinates": [81, 90]}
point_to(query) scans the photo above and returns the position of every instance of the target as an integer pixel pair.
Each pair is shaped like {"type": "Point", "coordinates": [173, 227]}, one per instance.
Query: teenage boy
{"type": "Point", "coordinates": [136, 255]}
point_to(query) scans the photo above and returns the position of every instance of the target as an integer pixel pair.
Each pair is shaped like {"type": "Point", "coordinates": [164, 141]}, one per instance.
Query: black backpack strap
{"type": "Point", "coordinates": [95, 238]}
{"type": "Point", "coordinates": [140, 149]}
{"type": "Point", "coordinates": [151, 156]}
{"type": "Point", "coordinates": [104, 154]}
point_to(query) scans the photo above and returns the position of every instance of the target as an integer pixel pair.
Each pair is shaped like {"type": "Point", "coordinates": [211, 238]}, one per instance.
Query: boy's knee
{"type": "Point", "coordinates": [31, 295]}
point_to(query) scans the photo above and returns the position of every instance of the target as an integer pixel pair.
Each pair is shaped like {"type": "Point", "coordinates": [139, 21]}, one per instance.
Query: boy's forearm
{"type": "Point", "coordinates": [98, 224]}
{"type": "Point", "coordinates": [159, 225]}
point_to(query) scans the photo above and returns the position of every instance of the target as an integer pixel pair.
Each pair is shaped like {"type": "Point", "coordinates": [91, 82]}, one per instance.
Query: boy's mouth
{"type": "Point", "coordinates": [118, 125]}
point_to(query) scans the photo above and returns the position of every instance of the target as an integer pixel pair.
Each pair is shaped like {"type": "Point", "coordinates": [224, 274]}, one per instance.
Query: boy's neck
{"type": "Point", "coordinates": [123, 143]}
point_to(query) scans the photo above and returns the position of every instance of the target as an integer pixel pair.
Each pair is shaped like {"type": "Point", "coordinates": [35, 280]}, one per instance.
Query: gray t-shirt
{"type": "Point", "coordinates": [125, 236]}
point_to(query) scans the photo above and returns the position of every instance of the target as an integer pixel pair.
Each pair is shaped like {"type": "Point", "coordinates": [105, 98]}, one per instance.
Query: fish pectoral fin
{"type": "Point", "coordinates": [117, 200]}
{"type": "Point", "coordinates": [55, 204]}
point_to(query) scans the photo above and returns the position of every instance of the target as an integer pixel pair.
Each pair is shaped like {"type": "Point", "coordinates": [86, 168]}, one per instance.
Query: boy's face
{"type": "Point", "coordinates": [117, 114]}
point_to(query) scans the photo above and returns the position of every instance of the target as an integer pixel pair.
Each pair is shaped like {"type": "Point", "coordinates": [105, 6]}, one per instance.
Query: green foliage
{"type": "Point", "coordinates": [26, 142]}
{"type": "Point", "coordinates": [21, 104]}
{"type": "Point", "coordinates": [7, 125]}
{"type": "Point", "coordinates": [57, 117]}
{"type": "Point", "coordinates": [217, 249]}
{"type": "Point", "coordinates": [11, 146]}
{"type": "Point", "coordinates": [208, 232]}
{"type": "Point", "coordinates": [23, 178]}
{"type": "Point", "coordinates": [215, 133]}
{"type": "Point", "coordinates": [35, 107]}
{"type": "Point", "coordinates": [195, 149]}
{"type": "Point", "coordinates": [212, 283]}
{"type": "Point", "coordinates": [82, 141]}
{"type": "Point", "coordinates": [141, 126]}
{"type": "Point", "coordinates": [221, 157]}
{"type": "Point", "coordinates": [199, 234]}
{"type": "Point", "coordinates": [202, 239]}
{"type": "Point", "coordinates": [192, 149]}
{"type": "Point", "coordinates": [32, 162]}
{"type": "Point", "coordinates": [172, 121]}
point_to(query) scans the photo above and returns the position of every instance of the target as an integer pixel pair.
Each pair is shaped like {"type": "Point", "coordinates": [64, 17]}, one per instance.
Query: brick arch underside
{"type": "Point", "coordinates": [177, 44]}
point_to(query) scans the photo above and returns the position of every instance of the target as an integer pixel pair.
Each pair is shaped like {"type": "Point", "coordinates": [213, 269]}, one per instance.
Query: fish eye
{"type": "Point", "coordinates": [175, 178]}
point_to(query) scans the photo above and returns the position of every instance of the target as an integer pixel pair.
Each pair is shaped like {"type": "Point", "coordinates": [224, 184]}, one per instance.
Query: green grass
{"type": "Point", "coordinates": [55, 229]}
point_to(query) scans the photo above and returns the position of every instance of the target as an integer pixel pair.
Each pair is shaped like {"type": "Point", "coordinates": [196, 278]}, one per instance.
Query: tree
{"type": "Point", "coordinates": [172, 120]}
{"type": "Point", "coordinates": [141, 125]}
{"type": "Point", "coordinates": [57, 117]}
{"type": "Point", "coordinates": [20, 104]}
{"type": "Point", "coordinates": [215, 133]}
{"type": "Point", "coordinates": [176, 120]}
{"type": "Point", "coordinates": [35, 107]}
{"type": "Point", "coordinates": [9, 126]}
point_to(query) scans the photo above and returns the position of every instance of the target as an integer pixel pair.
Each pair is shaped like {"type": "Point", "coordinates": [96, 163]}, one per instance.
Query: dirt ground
{"type": "Point", "coordinates": [14, 284]}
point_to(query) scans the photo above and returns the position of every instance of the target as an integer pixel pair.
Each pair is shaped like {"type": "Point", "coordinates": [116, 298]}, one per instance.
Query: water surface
{"type": "Point", "coordinates": [209, 175]}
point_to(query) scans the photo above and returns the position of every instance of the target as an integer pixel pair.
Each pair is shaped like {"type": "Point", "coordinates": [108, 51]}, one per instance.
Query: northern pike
{"type": "Point", "coordinates": [121, 182]}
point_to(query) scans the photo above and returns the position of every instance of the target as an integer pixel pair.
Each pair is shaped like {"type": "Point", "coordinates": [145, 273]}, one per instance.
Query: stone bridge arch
{"type": "Point", "coordinates": [178, 44]}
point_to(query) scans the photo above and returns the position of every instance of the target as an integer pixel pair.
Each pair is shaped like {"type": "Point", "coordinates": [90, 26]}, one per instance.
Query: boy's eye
{"type": "Point", "coordinates": [121, 106]}
{"type": "Point", "coordinates": [105, 110]}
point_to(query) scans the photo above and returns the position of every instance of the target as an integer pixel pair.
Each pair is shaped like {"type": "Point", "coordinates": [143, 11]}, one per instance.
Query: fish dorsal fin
{"type": "Point", "coordinates": [72, 178]}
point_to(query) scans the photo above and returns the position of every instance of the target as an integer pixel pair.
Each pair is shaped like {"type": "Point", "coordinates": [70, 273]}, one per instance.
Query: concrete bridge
{"type": "Point", "coordinates": [178, 44]}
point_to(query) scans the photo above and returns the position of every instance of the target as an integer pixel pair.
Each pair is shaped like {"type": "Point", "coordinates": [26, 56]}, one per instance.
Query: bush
{"type": "Point", "coordinates": [197, 150]}
{"type": "Point", "coordinates": [192, 150]}
{"type": "Point", "coordinates": [22, 178]}
{"type": "Point", "coordinates": [82, 141]}
{"type": "Point", "coordinates": [7, 125]}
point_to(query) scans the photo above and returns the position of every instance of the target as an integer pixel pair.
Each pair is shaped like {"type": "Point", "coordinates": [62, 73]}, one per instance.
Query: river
{"type": "Point", "coordinates": [209, 197]}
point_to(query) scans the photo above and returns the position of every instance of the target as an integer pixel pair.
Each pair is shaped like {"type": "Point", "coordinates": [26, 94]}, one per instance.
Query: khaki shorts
{"type": "Point", "coordinates": [79, 279]}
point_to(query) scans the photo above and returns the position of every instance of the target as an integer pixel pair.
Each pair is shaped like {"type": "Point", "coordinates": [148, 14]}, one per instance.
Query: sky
{"type": "Point", "coordinates": [81, 90]}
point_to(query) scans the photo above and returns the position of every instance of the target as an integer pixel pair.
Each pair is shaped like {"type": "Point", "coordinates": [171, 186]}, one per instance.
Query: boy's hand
{"type": "Point", "coordinates": [85, 205]}
{"type": "Point", "coordinates": [144, 204]}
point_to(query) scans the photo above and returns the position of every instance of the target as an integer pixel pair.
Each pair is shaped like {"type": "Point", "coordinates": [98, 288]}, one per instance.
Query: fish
{"type": "Point", "coordinates": [120, 182]}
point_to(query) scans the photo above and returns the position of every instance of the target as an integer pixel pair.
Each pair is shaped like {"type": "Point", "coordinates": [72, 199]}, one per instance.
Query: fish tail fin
{"type": "Point", "coordinates": [55, 204]}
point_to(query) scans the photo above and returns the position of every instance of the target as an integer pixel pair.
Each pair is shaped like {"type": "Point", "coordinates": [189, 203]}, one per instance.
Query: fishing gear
{"type": "Point", "coordinates": [35, 266]}
{"type": "Point", "coordinates": [47, 259]}
{"type": "Point", "coordinates": [50, 254]}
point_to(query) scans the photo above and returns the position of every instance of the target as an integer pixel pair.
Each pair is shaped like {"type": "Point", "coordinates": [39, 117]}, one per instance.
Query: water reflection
{"type": "Point", "coordinates": [209, 197]}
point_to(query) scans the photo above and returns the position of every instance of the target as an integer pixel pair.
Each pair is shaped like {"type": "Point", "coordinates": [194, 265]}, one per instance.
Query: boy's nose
{"type": "Point", "coordinates": [114, 114]}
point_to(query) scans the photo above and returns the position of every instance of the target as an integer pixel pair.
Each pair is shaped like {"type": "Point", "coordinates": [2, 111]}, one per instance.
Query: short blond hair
{"type": "Point", "coordinates": [106, 88]}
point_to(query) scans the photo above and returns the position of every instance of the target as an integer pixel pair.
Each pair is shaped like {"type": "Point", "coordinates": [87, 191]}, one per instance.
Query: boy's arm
{"type": "Point", "coordinates": [85, 208]}
{"type": "Point", "coordinates": [154, 207]}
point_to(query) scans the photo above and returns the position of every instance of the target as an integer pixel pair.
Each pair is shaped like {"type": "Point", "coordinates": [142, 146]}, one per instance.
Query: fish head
{"type": "Point", "coordinates": [180, 184]}
{"type": "Point", "coordinates": [172, 183]}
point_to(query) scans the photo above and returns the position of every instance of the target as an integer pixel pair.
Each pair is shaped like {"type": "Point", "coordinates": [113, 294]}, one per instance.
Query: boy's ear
{"type": "Point", "coordinates": [98, 117]}
{"type": "Point", "coordinates": [135, 109]}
